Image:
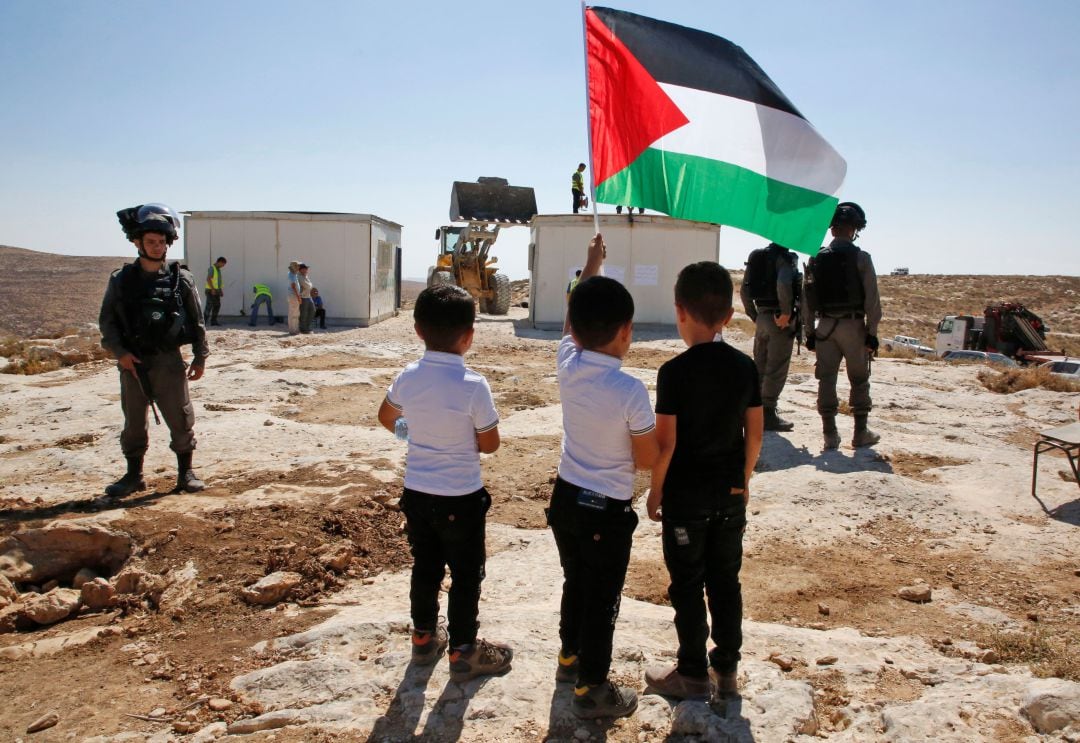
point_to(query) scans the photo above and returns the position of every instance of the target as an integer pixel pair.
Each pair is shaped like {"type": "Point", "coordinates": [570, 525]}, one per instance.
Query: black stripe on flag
{"type": "Point", "coordinates": [694, 59]}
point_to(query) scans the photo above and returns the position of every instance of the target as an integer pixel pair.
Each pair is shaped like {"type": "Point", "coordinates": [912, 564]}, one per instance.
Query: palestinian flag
{"type": "Point", "coordinates": [686, 123]}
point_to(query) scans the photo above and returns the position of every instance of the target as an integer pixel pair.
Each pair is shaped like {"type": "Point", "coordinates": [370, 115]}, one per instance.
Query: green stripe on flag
{"type": "Point", "coordinates": [704, 190]}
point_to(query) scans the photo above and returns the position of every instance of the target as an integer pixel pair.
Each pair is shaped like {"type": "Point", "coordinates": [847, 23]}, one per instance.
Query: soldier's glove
{"type": "Point", "coordinates": [872, 342]}
{"type": "Point", "coordinates": [811, 341]}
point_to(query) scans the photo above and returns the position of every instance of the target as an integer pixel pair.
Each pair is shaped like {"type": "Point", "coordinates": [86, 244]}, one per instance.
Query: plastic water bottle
{"type": "Point", "coordinates": [401, 429]}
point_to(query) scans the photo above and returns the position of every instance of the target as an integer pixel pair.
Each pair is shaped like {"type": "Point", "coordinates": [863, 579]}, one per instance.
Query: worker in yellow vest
{"type": "Point", "coordinates": [213, 292]}
{"type": "Point", "coordinates": [262, 296]}
{"type": "Point", "coordinates": [577, 187]}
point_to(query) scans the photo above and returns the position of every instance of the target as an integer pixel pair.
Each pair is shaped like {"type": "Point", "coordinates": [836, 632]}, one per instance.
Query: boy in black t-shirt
{"type": "Point", "coordinates": [709, 424]}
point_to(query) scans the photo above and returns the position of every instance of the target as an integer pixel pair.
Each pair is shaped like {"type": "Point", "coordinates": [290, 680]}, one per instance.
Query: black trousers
{"type": "Point", "coordinates": [213, 307]}
{"type": "Point", "coordinates": [577, 197]}
{"type": "Point", "coordinates": [447, 531]}
{"type": "Point", "coordinates": [320, 317]}
{"type": "Point", "coordinates": [703, 551]}
{"type": "Point", "coordinates": [594, 550]}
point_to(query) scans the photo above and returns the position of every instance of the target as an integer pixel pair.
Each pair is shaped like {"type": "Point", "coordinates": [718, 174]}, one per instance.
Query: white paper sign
{"type": "Point", "coordinates": [616, 272]}
{"type": "Point", "coordinates": [646, 274]}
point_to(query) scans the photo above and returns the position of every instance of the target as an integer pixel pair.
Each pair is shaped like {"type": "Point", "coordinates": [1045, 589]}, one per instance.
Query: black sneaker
{"type": "Point", "coordinates": [428, 647]}
{"type": "Point", "coordinates": [482, 658]}
{"type": "Point", "coordinates": [605, 700]}
{"type": "Point", "coordinates": [567, 670]}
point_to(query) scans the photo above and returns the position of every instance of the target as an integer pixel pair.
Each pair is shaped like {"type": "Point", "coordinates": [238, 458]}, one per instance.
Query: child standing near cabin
{"type": "Point", "coordinates": [709, 423]}
{"type": "Point", "coordinates": [451, 418]}
{"type": "Point", "coordinates": [608, 431]}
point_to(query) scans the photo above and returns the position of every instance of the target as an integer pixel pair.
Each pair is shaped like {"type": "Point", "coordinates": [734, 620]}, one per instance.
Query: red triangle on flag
{"type": "Point", "coordinates": [628, 110]}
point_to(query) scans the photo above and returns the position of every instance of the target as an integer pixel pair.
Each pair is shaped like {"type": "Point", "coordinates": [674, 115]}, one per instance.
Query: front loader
{"type": "Point", "coordinates": [464, 251]}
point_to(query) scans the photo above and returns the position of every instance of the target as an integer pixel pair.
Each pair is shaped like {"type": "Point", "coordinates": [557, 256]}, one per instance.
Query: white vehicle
{"type": "Point", "coordinates": [1069, 368]}
{"type": "Point", "coordinates": [906, 341]}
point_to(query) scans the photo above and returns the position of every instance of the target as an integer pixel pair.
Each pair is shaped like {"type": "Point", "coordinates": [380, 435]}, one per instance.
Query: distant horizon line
{"type": "Point", "coordinates": [423, 280]}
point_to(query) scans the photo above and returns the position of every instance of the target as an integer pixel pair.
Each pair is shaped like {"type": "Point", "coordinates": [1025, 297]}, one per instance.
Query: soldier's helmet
{"type": "Point", "coordinates": [850, 213]}
{"type": "Point", "coordinates": [136, 221]}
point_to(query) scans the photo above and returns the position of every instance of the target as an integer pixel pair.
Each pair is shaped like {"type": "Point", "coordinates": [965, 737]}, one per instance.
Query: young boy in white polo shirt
{"type": "Point", "coordinates": [451, 417]}
{"type": "Point", "coordinates": [607, 431]}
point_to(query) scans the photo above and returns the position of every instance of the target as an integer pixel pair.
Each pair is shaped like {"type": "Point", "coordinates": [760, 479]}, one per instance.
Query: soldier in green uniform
{"type": "Point", "coordinates": [843, 310]}
{"type": "Point", "coordinates": [770, 298]}
{"type": "Point", "coordinates": [149, 311]}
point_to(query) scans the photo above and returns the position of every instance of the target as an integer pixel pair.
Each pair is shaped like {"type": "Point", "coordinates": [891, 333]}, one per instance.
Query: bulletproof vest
{"type": "Point", "coordinates": [834, 281]}
{"type": "Point", "coordinates": [760, 277]}
{"type": "Point", "coordinates": [152, 310]}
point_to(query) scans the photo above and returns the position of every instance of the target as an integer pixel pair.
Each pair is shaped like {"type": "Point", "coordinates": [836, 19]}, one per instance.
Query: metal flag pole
{"type": "Point", "coordinates": [588, 120]}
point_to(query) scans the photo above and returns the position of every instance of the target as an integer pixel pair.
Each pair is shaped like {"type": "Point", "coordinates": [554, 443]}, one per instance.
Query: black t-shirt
{"type": "Point", "coordinates": [707, 388]}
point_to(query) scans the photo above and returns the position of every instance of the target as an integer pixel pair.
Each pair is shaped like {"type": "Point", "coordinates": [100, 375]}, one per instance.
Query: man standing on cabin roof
{"type": "Point", "coordinates": [843, 309]}
{"type": "Point", "coordinates": [577, 187]}
{"type": "Point", "coordinates": [769, 293]}
{"type": "Point", "coordinates": [149, 311]}
{"type": "Point", "coordinates": [214, 292]}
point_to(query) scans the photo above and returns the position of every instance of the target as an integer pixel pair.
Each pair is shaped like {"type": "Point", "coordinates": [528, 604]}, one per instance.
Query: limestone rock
{"type": "Point", "coordinates": [61, 549]}
{"type": "Point", "coordinates": [43, 723]}
{"type": "Point", "coordinates": [8, 594]}
{"type": "Point", "coordinates": [919, 593]}
{"type": "Point", "coordinates": [786, 662]}
{"type": "Point", "coordinates": [336, 557]}
{"type": "Point", "coordinates": [52, 607]}
{"type": "Point", "coordinates": [269, 721]}
{"type": "Point", "coordinates": [219, 704]}
{"type": "Point", "coordinates": [181, 583]}
{"type": "Point", "coordinates": [84, 575]}
{"type": "Point", "coordinates": [272, 588]}
{"type": "Point", "coordinates": [1052, 705]}
{"type": "Point", "coordinates": [9, 618]}
{"type": "Point", "coordinates": [98, 594]}
{"type": "Point", "coordinates": [137, 582]}
{"type": "Point", "coordinates": [210, 733]}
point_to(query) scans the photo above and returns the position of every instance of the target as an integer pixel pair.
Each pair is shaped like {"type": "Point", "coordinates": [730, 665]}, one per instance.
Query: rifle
{"type": "Point", "coordinates": [142, 376]}
{"type": "Point", "coordinates": [797, 327]}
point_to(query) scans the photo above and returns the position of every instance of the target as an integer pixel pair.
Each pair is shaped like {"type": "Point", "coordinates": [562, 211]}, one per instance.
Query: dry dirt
{"type": "Point", "coordinates": [327, 475]}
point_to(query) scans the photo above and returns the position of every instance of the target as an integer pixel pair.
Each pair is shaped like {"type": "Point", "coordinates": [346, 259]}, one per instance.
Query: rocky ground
{"type": "Point", "coordinates": [912, 591]}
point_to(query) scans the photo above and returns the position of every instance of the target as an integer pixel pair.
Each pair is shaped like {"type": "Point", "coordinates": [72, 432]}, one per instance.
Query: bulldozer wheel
{"type": "Point", "coordinates": [500, 305]}
{"type": "Point", "coordinates": [442, 278]}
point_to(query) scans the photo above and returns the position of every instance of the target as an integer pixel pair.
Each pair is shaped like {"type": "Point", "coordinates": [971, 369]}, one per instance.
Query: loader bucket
{"type": "Point", "coordinates": [491, 200]}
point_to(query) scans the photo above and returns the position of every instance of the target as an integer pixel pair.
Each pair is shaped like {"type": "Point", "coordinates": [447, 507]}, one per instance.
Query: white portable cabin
{"type": "Point", "coordinates": [645, 253]}
{"type": "Point", "coordinates": [355, 259]}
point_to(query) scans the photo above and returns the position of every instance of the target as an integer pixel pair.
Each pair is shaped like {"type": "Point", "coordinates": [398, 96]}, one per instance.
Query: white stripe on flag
{"type": "Point", "coordinates": [774, 143]}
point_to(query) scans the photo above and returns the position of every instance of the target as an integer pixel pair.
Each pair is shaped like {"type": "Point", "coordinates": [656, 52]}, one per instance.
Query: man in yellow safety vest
{"type": "Point", "coordinates": [262, 296]}
{"type": "Point", "coordinates": [213, 292]}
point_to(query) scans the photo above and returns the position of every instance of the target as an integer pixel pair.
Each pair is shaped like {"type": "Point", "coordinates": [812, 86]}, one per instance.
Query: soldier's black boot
{"type": "Point", "coordinates": [863, 435]}
{"type": "Point", "coordinates": [774, 422]}
{"type": "Point", "coordinates": [186, 479]}
{"type": "Point", "coordinates": [828, 428]}
{"type": "Point", "coordinates": [131, 482]}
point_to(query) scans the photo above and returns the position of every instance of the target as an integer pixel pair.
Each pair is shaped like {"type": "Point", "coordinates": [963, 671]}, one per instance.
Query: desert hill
{"type": "Point", "coordinates": [42, 294]}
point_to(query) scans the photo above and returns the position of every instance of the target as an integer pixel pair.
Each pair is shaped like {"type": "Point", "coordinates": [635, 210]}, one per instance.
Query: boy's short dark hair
{"type": "Point", "coordinates": [443, 314]}
{"type": "Point", "coordinates": [599, 307]}
{"type": "Point", "coordinates": [704, 291]}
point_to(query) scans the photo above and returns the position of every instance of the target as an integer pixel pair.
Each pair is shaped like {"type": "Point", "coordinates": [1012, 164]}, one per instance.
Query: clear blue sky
{"type": "Point", "coordinates": [960, 120]}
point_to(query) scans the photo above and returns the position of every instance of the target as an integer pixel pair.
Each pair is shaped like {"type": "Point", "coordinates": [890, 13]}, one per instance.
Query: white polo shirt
{"type": "Point", "coordinates": [445, 405]}
{"type": "Point", "coordinates": [602, 408]}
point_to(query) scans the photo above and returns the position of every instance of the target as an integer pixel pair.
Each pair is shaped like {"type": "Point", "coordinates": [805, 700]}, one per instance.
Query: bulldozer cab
{"type": "Point", "coordinates": [464, 257]}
